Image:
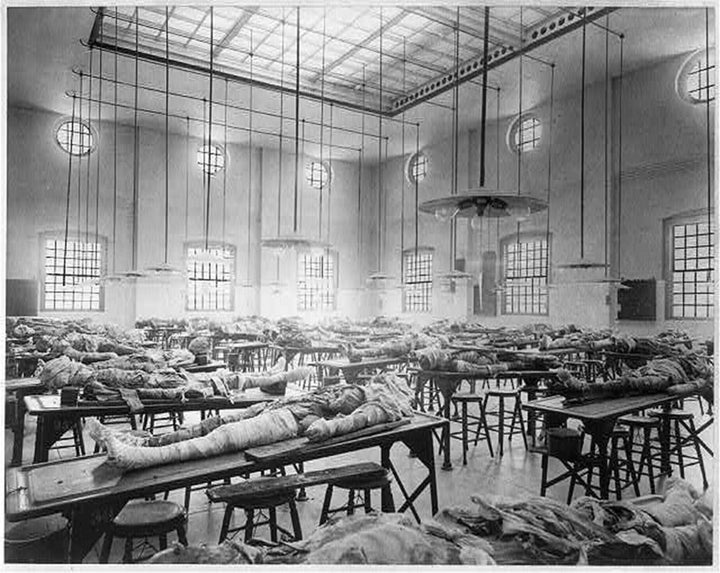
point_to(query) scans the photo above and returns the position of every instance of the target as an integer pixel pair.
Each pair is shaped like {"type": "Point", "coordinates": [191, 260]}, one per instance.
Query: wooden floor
{"type": "Point", "coordinates": [516, 474]}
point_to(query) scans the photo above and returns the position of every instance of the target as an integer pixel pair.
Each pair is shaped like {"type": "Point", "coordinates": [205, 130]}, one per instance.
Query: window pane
{"type": "Point", "coordinates": [692, 266]}
{"type": "Point", "coordinates": [210, 277]}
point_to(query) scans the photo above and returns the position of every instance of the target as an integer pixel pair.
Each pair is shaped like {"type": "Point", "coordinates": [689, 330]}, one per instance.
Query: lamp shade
{"type": "Point", "coordinates": [480, 203]}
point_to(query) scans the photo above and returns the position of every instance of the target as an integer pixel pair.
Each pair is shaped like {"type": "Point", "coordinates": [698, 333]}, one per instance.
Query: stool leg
{"type": "Point", "coordinates": [630, 466]}
{"type": "Point", "coordinates": [250, 524]}
{"type": "Point", "coordinates": [647, 456]}
{"type": "Point", "coordinates": [386, 499]}
{"type": "Point", "coordinates": [182, 538]}
{"type": "Point", "coordinates": [501, 424]}
{"type": "Point", "coordinates": [518, 411]}
{"type": "Point", "coordinates": [188, 491]}
{"type": "Point", "coordinates": [678, 446]}
{"type": "Point", "coordinates": [225, 523]}
{"type": "Point", "coordinates": [698, 452]}
{"type": "Point", "coordinates": [295, 518]}
{"type": "Point", "coordinates": [614, 464]}
{"type": "Point", "coordinates": [127, 555]}
{"type": "Point", "coordinates": [367, 500]}
{"type": "Point", "coordinates": [351, 502]}
{"type": "Point", "coordinates": [464, 431]}
{"type": "Point", "coordinates": [326, 504]}
{"type": "Point", "coordinates": [273, 524]}
{"type": "Point", "coordinates": [543, 476]}
{"type": "Point", "coordinates": [163, 541]}
{"type": "Point", "coordinates": [106, 546]}
{"type": "Point", "coordinates": [571, 489]}
{"type": "Point", "coordinates": [483, 421]}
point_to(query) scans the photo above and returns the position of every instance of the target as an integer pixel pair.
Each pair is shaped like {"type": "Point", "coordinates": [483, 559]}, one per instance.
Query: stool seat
{"type": "Point", "coordinates": [364, 482]}
{"type": "Point", "coordinates": [256, 502]}
{"type": "Point", "coordinates": [640, 421]}
{"type": "Point", "coordinates": [505, 392]}
{"type": "Point", "coordinates": [467, 397]}
{"type": "Point", "coordinates": [153, 518]}
{"type": "Point", "coordinates": [673, 414]}
{"type": "Point", "coordinates": [147, 518]}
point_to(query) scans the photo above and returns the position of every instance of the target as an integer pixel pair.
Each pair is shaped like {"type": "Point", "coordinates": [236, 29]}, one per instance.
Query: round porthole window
{"type": "Point", "coordinates": [417, 167]}
{"type": "Point", "coordinates": [211, 158]}
{"type": "Point", "coordinates": [524, 134]}
{"type": "Point", "coordinates": [75, 136]}
{"type": "Point", "coordinates": [317, 174]}
{"type": "Point", "coordinates": [695, 81]}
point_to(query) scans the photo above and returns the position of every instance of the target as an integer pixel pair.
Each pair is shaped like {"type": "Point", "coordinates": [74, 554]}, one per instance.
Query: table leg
{"type": "Point", "coordinates": [600, 433]}
{"type": "Point", "coordinates": [422, 444]}
{"type": "Point", "coordinates": [49, 430]}
{"type": "Point", "coordinates": [87, 525]}
{"type": "Point", "coordinates": [665, 468]}
{"type": "Point", "coordinates": [18, 431]}
{"type": "Point", "coordinates": [446, 388]}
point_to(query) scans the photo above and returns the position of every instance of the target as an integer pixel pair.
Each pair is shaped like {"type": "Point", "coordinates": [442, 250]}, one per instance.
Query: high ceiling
{"type": "Point", "coordinates": [46, 56]}
{"type": "Point", "coordinates": [371, 57]}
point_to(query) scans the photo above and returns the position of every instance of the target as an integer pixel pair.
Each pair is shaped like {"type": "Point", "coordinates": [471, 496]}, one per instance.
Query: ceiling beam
{"type": "Point", "coordinates": [357, 47]}
{"type": "Point", "coordinates": [239, 24]}
{"type": "Point", "coordinates": [536, 36]}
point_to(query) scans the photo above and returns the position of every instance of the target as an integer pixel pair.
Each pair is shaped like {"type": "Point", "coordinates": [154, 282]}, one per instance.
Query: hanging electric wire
{"type": "Point", "coordinates": [322, 129]}
{"type": "Point", "coordinates": [605, 140]}
{"type": "Point", "coordinates": [136, 143]}
{"type": "Point", "coordinates": [71, 143]}
{"type": "Point", "coordinates": [210, 163]}
{"type": "Point", "coordinates": [250, 162]}
{"type": "Point", "coordinates": [297, 117]}
{"type": "Point", "coordinates": [115, 155]}
{"type": "Point", "coordinates": [549, 164]}
{"type": "Point", "coordinates": [225, 146]}
{"type": "Point", "coordinates": [96, 248]}
{"type": "Point", "coordinates": [167, 130]}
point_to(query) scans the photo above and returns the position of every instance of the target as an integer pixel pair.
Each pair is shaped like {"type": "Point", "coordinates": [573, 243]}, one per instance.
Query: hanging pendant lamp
{"type": "Point", "coordinates": [483, 202]}
{"type": "Point", "coordinates": [582, 264]}
{"type": "Point", "coordinates": [379, 279]}
{"type": "Point", "coordinates": [294, 240]}
{"type": "Point", "coordinates": [135, 273]}
{"type": "Point", "coordinates": [451, 277]}
{"type": "Point", "coordinates": [165, 269]}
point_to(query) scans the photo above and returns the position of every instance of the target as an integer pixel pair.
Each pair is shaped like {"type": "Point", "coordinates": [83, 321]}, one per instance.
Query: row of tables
{"type": "Point", "coordinates": [90, 493]}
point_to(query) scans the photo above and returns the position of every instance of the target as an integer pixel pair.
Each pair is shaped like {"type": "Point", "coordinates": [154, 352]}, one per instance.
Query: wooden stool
{"type": "Point", "coordinates": [354, 485]}
{"type": "Point", "coordinates": [170, 420]}
{"type": "Point", "coordinates": [646, 424]}
{"type": "Point", "coordinates": [76, 440]}
{"type": "Point", "coordinates": [468, 420]}
{"type": "Point", "coordinates": [501, 394]}
{"type": "Point", "coordinates": [154, 518]}
{"type": "Point", "coordinates": [620, 437]}
{"type": "Point", "coordinates": [269, 502]}
{"type": "Point", "coordinates": [683, 420]}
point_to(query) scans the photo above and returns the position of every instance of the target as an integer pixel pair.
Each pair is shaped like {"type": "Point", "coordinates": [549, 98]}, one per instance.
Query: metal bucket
{"type": "Point", "coordinates": [39, 540]}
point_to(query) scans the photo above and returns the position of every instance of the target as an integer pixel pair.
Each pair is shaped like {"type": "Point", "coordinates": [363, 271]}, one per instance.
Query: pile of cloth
{"type": "Point", "coordinates": [674, 530]}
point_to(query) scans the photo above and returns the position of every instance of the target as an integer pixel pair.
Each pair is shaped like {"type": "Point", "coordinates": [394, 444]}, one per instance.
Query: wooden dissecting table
{"type": "Point", "coordinates": [53, 419]}
{"type": "Point", "coordinates": [19, 388]}
{"type": "Point", "coordinates": [351, 370]}
{"type": "Point", "coordinates": [90, 493]}
{"type": "Point", "coordinates": [599, 417]}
